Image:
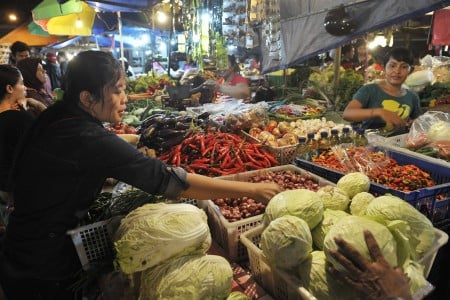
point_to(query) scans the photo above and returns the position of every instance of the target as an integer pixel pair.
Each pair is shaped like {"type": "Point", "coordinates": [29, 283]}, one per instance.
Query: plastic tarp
{"type": "Point", "coordinates": [303, 34]}
{"type": "Point", "coordinates": [23, 34]}
{"type": "Point", "coordinates": [52, 8]}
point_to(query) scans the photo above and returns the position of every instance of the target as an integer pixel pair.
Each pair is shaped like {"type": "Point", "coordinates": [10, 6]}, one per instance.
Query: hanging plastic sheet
{"type": "Point", "coordinates": [441, 24]}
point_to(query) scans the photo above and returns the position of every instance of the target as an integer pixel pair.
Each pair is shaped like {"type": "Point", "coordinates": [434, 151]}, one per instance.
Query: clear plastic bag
{"type": "Point", "coordinates": [429, 127]}
{"type": "Point", "coordinates": [361, 159]}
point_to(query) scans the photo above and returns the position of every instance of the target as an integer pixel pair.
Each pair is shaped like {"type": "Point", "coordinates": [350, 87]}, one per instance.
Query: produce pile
{"type": "Point", "coordinates": [235, 209]}
{"type": "Point", "coordinates": [164, 131]}
{"type": "Point", "coordinates": [294, 112]}
{"type": "Point", "coordinates": [218, 154]}
{"type": "Point", "coordinates": [300, 226]}
{"type": "Point", "coordinates": [379, 167]}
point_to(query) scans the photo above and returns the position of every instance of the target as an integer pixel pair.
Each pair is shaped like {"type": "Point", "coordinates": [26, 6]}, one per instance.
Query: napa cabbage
{"type": "Point", "coordinates": [154, 233]}
{"type": "Point", "coordinates": [188, 277]}
{"type": "Point", "coordinates": [301, 203]}
{"type": "Point", "coordinates": [286, 241]}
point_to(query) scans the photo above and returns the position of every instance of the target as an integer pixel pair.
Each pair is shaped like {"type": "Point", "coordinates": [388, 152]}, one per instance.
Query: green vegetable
{"type": "Point", "coordinates": [354, 183]}
{"type": "Point", "coordinates": [330, 217]}
{"type": "Point", "coordinates": [416, 279]}
{"type": "Point", "coordinates": [188, 277]}
{"type": "Point", "coordinates": [351, 230]}
{"type": "Point", "coordinates": [153, 233]}
{"type": "Point", "coordinates": [286, 242]}
{"type": "Point", "coordinates": [236, 295]}
{"type": "Point", "coordinates": [301, 203]}
{"type": "Point", "coordinates": [391, 208]}
{"type": "Point", "coordinates": [319, 282]}
{"type": "Point", "coordinates": [333, 197]}
{"type": "Point", "coordinates": [360, 202]}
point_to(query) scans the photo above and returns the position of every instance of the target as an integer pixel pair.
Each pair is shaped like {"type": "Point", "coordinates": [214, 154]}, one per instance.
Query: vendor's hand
{"type": "Point", "coordinates": [376, 280]}
{"type": "Point", "coordinates": [263, 192]}
{"type": "Point", "coordinates": [393, 118]}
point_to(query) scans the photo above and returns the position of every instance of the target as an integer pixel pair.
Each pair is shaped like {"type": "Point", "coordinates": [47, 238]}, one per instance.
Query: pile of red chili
{"type": "Point", "coordinates": [218, 154]}
{"type": "Point", "coordinates": [378, 167]}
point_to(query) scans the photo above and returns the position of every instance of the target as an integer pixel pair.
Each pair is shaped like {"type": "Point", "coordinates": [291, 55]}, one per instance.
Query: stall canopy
{"type": "Point", "coordinates": [303, 34]}
{"type": "Point", "coordinates": [122, 5]}
{"type": "Point", "coordinates": [97, 41]}
{"type": "Point", "coordinates": [22, 33]}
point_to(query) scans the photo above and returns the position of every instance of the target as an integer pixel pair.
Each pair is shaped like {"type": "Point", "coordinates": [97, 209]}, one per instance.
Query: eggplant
{"type": "Point", "coordinates": [183, 119]}
{"type": "Point", "coordinates": [149, 131]}
{"type": "Point", "coordinates": [180, 125]}
{"type": "Point", "coordinates": [169, 132]}
{"type": "Point", "coordinates": [204, 115]}
{"type": "Point", "coordinates": [150, 120]}
{"type": "Point", "coordinates": [172, 141]}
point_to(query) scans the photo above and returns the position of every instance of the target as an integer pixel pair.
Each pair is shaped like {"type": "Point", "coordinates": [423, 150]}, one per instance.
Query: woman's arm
{"type": "Point", "coordinates": [354, 112]}
{"type": "Point", "coordinates": [239, 91]}
{"type": "Point", "coordinates": [203, 187]}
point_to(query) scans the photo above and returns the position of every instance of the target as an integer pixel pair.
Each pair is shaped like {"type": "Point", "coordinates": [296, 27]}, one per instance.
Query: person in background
{"type": "Point", "coordinates": [19, 51]}
{"type": "Point", "coordinates": [348, 53]}
{"type": "Point", "coordinates": [373, 280]}
{"type": "Point", "coordinates": [34, 78]}
{"type": "Point", "coordinates": [61, 169]}
{"type": "Point", "coordinates": [14, 121]}
{"type": "Point", "coordinates": [232, 83]}
{"type": "Point", "coordinates": [386, 103]}
{"type": "Point", "coordinates": [63, 61]}
{"type": "Point", "coordinates": [362, 58]}
{"type": "Point", "coordinates": [53, 70]}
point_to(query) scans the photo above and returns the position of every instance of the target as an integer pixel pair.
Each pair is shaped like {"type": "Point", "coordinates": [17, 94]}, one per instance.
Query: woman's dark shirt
{"type": "Point", "coordinates": [13, 125]}
{"type": "Point", "coordinates": [67, 157]}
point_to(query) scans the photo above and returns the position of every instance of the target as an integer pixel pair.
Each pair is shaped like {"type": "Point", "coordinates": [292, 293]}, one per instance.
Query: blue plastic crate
{"type": "Point", "coordinates": [425, 199]}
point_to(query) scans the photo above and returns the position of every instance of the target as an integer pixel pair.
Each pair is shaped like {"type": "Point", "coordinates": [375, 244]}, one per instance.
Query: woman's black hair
{"type": "Point", "coordinates": [9, 75]}
{"type": "Point", "coordinates": [233, 65]}
{"type": "Point", "coordinates": [91, 71]}
{"type": "Point", "coordinates": [399, 54]}
{"type": "Point", "coordinates": [28, 67]}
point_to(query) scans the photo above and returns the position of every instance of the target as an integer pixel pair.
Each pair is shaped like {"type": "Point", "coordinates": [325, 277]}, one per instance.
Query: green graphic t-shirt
{"type": "Point", "coordinates": [372, 96]}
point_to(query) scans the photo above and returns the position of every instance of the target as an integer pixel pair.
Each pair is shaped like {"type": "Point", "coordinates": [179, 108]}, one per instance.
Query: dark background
{"type": "Point", "coordinates": [22, 8]}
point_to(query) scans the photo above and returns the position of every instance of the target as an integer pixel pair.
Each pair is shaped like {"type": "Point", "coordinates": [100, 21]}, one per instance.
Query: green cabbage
{"type": "Point", "coordinates": [154, 233]}
{"type": "Point", "coordinates": [188, 277]}
{"type": "Point", "coordinates": [301, 203]}
{"type": "Point", "coordinates": [333, 197]}
{"type": "Point", "coordinates": [286, 241]}
{"type": "Point", "coordinates": [351, 229]}
{"type": "Point", "coordinates": [414, 272]}
{"type": "Point", "coordinates": [236, 295]}
{"type": "Point", "coordinates": [329, 218]}
{"type": "Point", "coordinates": [318, 281]}
{"type": "Point", "coordinates": [354, 183]}
{"type": "Point", "coordinates": [390, 208]}
{"type": "Point", "coordinates": [360, 202]}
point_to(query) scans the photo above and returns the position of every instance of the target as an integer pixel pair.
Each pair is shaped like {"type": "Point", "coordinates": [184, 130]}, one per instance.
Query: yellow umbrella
{"type": "Point", "coordinates": [73, 24]}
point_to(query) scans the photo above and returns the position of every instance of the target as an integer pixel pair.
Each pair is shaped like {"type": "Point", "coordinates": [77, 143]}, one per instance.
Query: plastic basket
{"type": "Point", "coordinates": [94, 242]}
{"type": "Point", "coordinates": [227, 234]}
{"type": "Point", "coordinates": [398, 143]}
{"type": "Point", "coordinates": [284, 286]}
{"type": "Point", "coordinates": [425, 199]}
{"type": "Point", "coordinates": [284, 155]}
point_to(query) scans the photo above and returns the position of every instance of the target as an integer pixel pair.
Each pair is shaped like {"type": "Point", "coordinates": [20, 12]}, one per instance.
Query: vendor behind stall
{"type": "Point", "coordinates": [232, 84]}
{"type": "Point", "coordinates": [386, 103]}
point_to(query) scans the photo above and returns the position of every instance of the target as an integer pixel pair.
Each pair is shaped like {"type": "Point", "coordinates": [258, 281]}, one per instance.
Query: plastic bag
{"type": "Point", "coordinates": [429, 127]}
{"type": "Point", "coordinates": [247, 116]}
{"type": "Point", "coordinates": [361, 159]}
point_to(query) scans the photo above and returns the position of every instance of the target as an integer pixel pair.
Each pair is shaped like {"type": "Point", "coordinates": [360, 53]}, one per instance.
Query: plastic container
{"type": "Point", "coordinates": [425, 199]}
{"type": "Point", "coordinates": [312, 144]}
{"type": "Point", "coordinates": [360, 138]}
{"type": "Point", "coordinates": [302, 150]}
{"type": "Point", "coordinates": [227, 234]}
{"type": "Point", "coordinates": [346, 136]}
{"type": "Point", "coordinates": [334, 138]}
{"type": "Point", "coordinates": [324, 143]}
{"type": "Point", "coordinates": [284, 286]}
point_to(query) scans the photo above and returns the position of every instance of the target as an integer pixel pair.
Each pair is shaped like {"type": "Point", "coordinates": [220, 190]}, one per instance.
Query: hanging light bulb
{"type": "Point", "coordinates": [78, 23]}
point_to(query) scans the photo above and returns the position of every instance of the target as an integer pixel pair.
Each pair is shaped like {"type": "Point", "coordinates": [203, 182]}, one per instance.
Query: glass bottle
{"type": "Point", "coordinates": [302, 149]}
{"type": "Point", "coordinates": [360, 138]}
{"type": "Point", "coordinates": [312, 145]}
{"type": "Point", "coordinates": [334, 138]}
{"type": "Point", "coordinates": [323, 144]}
{"type": "Point", "coordinates": [346, 137]}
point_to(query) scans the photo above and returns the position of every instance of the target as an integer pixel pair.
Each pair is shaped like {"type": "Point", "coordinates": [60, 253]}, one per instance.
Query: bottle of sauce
{"type": "Point", "coordinates": [312, 145]}
{"type": "Point", "coordinates": [323, 144]}
{"type": "Point", "coordinates": [346, 137]}
{"type": "Point", "coordinates": [360, 138]}
{"type": "Point", "coordinates": [302, 149]}
{"type": "Point", "coordinates": [334, 138]}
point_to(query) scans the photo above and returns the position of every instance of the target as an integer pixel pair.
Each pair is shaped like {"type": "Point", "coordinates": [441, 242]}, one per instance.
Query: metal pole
{"type": "Point", "coordinates": [119, 23]}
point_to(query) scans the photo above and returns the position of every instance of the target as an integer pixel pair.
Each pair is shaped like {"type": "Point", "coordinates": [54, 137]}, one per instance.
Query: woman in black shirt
{"type": "Point", "coordinates": [67, 156]}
